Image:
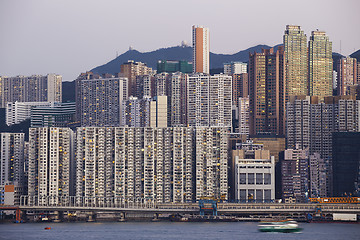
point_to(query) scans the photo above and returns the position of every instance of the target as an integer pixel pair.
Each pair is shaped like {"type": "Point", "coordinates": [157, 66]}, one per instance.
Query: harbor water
{"type": "Point", "coordinates": [172, 230]}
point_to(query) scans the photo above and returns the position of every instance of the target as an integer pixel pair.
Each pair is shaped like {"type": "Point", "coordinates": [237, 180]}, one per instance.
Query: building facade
{"type": "Point", "coordinates": [320, 65]}
{"type": "Point", "coordinates": [16, 112]}
{"type": "Point", "coordinates": [132, 69]}
{"type": "Point", "coordinates": [50, 164]}
{"type": "Point", "coordinates": [235, 68]}
{"type": "Point", "coordinates": [209, 100]}
{"type": "Point", "coordinates": [55, 115]}
{"type": "Point", "coordinates": [36, 88]}
{"type": "Point", "coordinates": [295, 175]}
{"type": "Point", "coordinates": [201, 49]}
{"type": "Point", "coordinates": [254, 173]}
{"type": "Point", "coordinates": [296, 62]}
{"type": "Point", "coordinates": [266, 92]}
{"type": "Point", "coordinates": [174, 66]}
{"type": "Point", "coordinates": [178, 100]}
{"type": "Point", "coordinates": [99, 100]}
{"type": "Point", "coordinates": [136, 112]}
{"type": "Point", "coordinates": [135, 163]}
{"type": "Point", "coordinates": [12, 159]}
{"type": "Point", "coordinates": [346, 164]}
{"type": "Point", "coordinates": [347, 74]}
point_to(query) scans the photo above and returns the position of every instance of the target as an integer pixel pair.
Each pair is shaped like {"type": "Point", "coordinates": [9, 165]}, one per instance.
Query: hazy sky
{"type": "Point", "coordinates": [68, 37]}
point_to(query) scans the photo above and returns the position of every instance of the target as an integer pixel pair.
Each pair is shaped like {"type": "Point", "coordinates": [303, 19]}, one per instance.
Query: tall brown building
{"type": "Point", "coordinates": [240, 86]}
{"type": "Point", "coordinates": [201, 50]}
{"type": "Point", "coordinates": [132, 69]}
{"type": "Point", "coordinates": [266, 92]}
{"type": "Point", "coordinates": [347, 74]}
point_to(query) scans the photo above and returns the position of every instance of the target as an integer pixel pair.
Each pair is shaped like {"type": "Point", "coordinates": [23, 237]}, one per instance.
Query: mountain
{"type": "Point", "coordinates": [185, 53]}
{"type": "Point", "coordinates": [174, 53]}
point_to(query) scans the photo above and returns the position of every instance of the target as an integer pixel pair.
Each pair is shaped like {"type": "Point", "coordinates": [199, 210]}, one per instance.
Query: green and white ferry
{"type": "Point", "coordinates": [287, 226]}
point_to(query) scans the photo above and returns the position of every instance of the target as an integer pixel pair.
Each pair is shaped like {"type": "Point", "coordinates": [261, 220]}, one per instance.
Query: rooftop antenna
{"type": "Point", "coordinates": [340, 46]}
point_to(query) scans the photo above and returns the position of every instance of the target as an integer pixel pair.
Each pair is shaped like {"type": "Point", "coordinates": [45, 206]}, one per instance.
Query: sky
{"type": "Point", "coordinates": [68, 37]}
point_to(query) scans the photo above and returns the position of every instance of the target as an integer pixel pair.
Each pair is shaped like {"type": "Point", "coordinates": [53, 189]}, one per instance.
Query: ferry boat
{"type": "Point", "coordinates": [287, 226]}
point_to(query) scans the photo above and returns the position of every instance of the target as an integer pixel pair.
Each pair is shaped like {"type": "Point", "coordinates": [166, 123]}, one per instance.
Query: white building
{"type": "Point", "coordinates": [16, 112]}
{"type": "Point", "coordinates": [254, 174]}
{"type": "Point", "coordinates": [212, 162]}
{"type": "Point", "coordinates": [209, 100]}
{"type": "Point", "coordinates": [34, 88]}
{"type": "Point", "coordinates": [136, 112]}
{"type": "Point", "coordinates": [159, 112]}
{"type": "Point", "coordinates": [244, 113]}
{"type": "Point", "coordinates": [135, 163]}
{"type": "Point", "coordinates": [235, 68]}
{"type": "Point", "coordinates": [50, 162]}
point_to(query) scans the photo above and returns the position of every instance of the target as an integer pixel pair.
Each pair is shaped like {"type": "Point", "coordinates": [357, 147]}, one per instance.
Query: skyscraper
{"type": "Point", "coordinates": [50, 163]}
{"type": "Point", "coordinates": [36, 88]}
{"type": "Point", "coordinates": [134, 163]}
{"type": "Point", "coordinates": [132, 69]}
{"type": "Point", "coordinates": [347, 74]}
{"type": "Point", "coordinates": [209, 100]}
{"type": "Point", "coordinates": [201, 48]}
{"type": "Point", "coordinates": [320, 65]}
{"type": "Point", "coordinates": [12, 159]}
{"type": "Point", "coordinates": [99, 101]}
{"type": "Point", "coordinates": [295, 174]}
{"type": "Point", "coordinates": [178, 99]}
{"type": "Point", "coordinates": [266, 92]}
{"type": "Point", "coordinates": [296, 62]}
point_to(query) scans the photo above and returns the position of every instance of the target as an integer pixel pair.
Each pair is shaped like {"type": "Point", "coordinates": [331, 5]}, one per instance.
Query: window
{"type": "Point", "coordinates": [242, 178]}
{"type": "Point", "coordinates": [267, 178]}
{"type": "Point", "coordinates": [259, 178]}
{"type": "Point", "coordinates": [251, 178]}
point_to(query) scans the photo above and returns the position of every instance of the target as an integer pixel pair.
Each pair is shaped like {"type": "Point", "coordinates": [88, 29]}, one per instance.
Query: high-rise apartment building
{"type": "Point", "coordinates": [36, 88]}
{"type": "Point", "coordinates": [295, 174]}
{"type": "Point", "coordinates": [159, 112]}
{"type": "Point", "coordinates": [178, 100]}
{"type": "Point", "coordinates": [50, 163]}
{"type": "Point", "coordinates": [235, 68]}
{"type": "Point", "coordinates": [99, 101]}
{"type": "Point", "coordinates": [347, 74]}
{"type": "Point", "coordinates": [209, 100]}
{"type": "Point", "coordinates": [136, 112]}
{"type": "Point", "coordinates": [135, 163]}
{"type": "Point", "coordinates": [145, 86]}
{"type": "Point", "coordinates": [12, 159]}
{"type": "Point", "coordinates": [162, 84]}
{"type": "Point", "coordinates": [266, 92]}
{"type": "Point", "coordinates": [244, 112]}
{"type": "Point", "coordinates": [317, 174]}
{"type": "Point", "coordinates": [132, 69]}
{"type": "Point", "coordinates": [201, 49]}
{"type": "Point", "coordinates": [240, 86]}
{"type": "Point", "coordinates": [296, 62]}
{"type": "Point", "coordinates": [320, 65]}
{"type": "Point", "coordinates": [211, 162]}
{"type": "Point", "coordinates": [311, 124]}
{"type": "Point", "coordinates": [346, 164]}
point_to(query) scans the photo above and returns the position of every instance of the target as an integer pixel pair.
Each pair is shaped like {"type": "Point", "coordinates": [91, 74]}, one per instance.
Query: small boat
{"type": "Point", "coordinates": [287, 226]}
{"type": "Point", "coordinates": [47, 228]}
